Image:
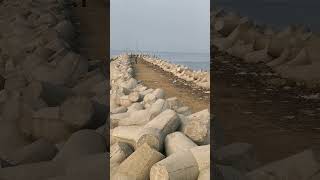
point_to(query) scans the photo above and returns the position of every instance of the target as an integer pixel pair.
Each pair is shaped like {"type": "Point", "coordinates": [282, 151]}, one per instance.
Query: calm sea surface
{"type": "Point", "coordinates": [194, 61]}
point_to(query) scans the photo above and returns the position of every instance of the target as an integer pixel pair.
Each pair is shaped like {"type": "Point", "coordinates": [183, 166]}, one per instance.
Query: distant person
{"type": "Point", "coordinates": [136, 59]}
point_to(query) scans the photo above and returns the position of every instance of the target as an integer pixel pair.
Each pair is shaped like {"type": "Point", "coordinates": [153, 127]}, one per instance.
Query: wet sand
{"type": "Point", "coordinates": [153, 77]}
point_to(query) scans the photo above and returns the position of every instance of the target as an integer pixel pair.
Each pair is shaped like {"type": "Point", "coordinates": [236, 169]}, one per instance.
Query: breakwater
{"type": "Point", "coordinates": [292, 52]}
{"type": "Point", "coordinates": [153, 137]}
{"type": "Point", "coordinates": [53, 100]}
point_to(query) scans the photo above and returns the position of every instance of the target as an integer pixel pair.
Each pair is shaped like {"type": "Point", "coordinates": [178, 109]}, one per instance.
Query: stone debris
{"type": "Point", "coordinates": [54, 113]}
{"type": "Point", "coordinates": [148, 142]}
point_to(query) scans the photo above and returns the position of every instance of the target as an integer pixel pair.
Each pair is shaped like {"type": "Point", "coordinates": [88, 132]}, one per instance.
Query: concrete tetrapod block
{"type": "Point", "coordinates": [258, 56]}
{"type": "Point", "coordinates": [119, 152]}
{"type": "Point", "coordinates": [120, 109]}
{"type": "Point", "coordinates": [135, 107]}
{"type": "Point", "coordinates": [240, 156]}
{"type": "Point", "coordinates": [40, 150]}
{"type": "Point", "coordinates": [84, 85]}
{"type": "Point", "coordinates": [34, 171]}
{"type": "Point", "coordinates": [156, 108]}
{"type": "Point", "coordinates": [197, 127]}
{"type": "Point", "coordinates": [134, 96]}
{"type": "Point", "coordinates": [81, 143]}
{"type": "Point", "coordinates": [8, 123]}
{"type": "Point", "coordinates": [227, 172]}
{"type": "Point", "coordinates": [240, 50]}
{"type": "Point", "coordinates": [300, 166]}
{"type": "Point", "coordinates": [283, 58]}
{"type": "Point", "coordinates": [166, 122]}
{"type": "Point", "coordinates": [125, 134]}
{"type": "Point", "coordinates": [77, 112]}
{"type": "Point", "coordinates": [180, 165]}
{"type": "Point", "coordinates": [176, 142]}
{"type": "Point", "coordinates": [159, 93]}
{"type": "Point", "coordinates": [140, 117]}
{"type": "Point", "coordinates": [45, 123]}
{"type": "Point", "coordinates": [202, 156]}
{"type": "Point", "coordinates": [301, 59]}
{"type": "Point", "coordinates": [204, 174]}
{"type": "Point", "coordinates": [52, 95]}
{"type": "Point", "coordinates": [185, 110]}
{"type": "Point", "coordinates": [174, 103]}
{"type": "Point", "coordinates": [227, 24]}
{"type": "Point", "coordinates": [137, 166]}
{"type": "Point", "coordinates": [94, 165]}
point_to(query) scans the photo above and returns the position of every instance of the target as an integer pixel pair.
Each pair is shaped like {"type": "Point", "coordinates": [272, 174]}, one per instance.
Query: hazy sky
{"type": "Point", "coordinates": [160, 25]}
{"type": "Point", "coordinates": [277, 12]}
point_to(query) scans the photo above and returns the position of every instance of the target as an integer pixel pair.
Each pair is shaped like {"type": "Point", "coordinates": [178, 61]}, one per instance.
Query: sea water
{"type": "Point", "coordinates": [193, 60]}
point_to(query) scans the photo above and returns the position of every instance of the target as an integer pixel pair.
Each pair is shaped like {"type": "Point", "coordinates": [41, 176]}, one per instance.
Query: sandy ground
{"type": "Point", "coordinates": [268, 115]}
{"type": "Point", "coordinates": [154, 77]}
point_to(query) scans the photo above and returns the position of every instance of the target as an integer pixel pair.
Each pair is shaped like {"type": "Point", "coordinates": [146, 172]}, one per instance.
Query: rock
{"type": "Point", "coordinates": [137, 166]}
{"type": "Point", "coordinates": [197, 127]}
{"type": "Point", "coordinates": [176, 142]}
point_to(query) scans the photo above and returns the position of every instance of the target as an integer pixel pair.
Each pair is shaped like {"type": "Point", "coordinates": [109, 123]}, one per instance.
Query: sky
{"type": "Point", "coordinates": [279, 13]}
{"type": "Point", "coordinates": [160, 25]}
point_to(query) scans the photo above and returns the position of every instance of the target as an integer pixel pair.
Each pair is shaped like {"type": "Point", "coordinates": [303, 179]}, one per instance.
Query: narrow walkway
{"type": "Point", "coordinates": [270, 117]}
{"type": "Point", "coordinates": [154, 77]}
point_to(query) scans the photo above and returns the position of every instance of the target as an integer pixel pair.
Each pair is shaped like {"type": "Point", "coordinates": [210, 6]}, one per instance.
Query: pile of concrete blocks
{"type": "Point", "coordinates": [198, 77]}
{"type": "Point", "coordinates": [292, 52]}
{"type": "Point", "coordinates": [53, 101]}
{"type": "Point", "coordinates": [151, 136]}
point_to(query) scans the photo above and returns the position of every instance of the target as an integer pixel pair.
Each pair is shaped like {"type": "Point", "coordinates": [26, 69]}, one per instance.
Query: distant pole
{"type": "Point", "coordinates": [84, 3]}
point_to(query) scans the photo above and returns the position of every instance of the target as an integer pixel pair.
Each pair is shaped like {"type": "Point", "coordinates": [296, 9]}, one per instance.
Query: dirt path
{"type": "Point", "coordinates": [256, 107]}
{"type": "Point", "coordinates": [154, 77]}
